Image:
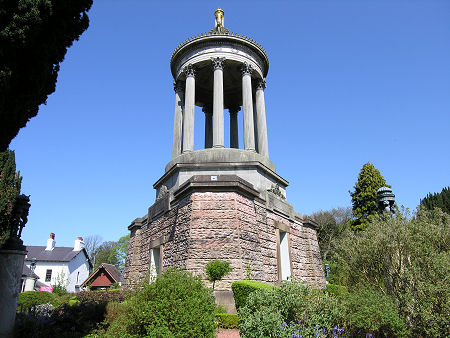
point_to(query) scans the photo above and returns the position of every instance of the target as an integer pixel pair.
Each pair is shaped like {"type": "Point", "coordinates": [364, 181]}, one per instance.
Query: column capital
{"type": "Point", "coordinates": [218, 63]}
{"type": "Point", "coordinates": [234, 110]}
{"type": "Point", "coordinates": [261, 84]}
{"type": "Point", "coordinates": [178, 86]}
{"type": "Point", "coordinates": [189, 70]}
{"type": "Point", "coordinates": [207, 110]}
{"type": "Point", "coordinates": [246, 69]}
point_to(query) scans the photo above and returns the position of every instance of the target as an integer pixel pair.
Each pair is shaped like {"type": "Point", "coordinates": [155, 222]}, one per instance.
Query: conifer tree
{"type": "Point", "coordinates": [437, 200]}
{"type": "Point", "coordinates": [364, 196]}
{"type": "Point", "coordinates": [10, 182]}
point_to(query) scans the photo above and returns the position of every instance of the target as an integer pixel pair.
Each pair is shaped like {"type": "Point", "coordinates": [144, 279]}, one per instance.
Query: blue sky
{"type": "Point", "coordinates": [349, 82]}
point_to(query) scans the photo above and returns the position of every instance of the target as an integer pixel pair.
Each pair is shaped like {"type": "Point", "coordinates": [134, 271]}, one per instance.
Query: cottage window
{"type": "Point", "coordinates": [155, 262]}
{"type": "Point", "coordinates": [48, 275]}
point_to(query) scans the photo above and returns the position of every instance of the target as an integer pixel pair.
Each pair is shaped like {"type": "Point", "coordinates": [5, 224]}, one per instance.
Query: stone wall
{"type": "Point", "coordinates": [226, 225]}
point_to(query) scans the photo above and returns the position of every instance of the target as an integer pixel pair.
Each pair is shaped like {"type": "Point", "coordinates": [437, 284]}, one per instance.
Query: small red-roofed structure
{"type": "Point", "coordinates": [103, 278]}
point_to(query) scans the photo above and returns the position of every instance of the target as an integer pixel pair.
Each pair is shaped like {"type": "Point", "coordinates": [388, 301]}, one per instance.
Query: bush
{"type": "Point", "coordinates": [291, 310]}
{"type": "Point", "coordinates": [227, 320]}
{"type": "Point", "coordinates": [242, 288]}
{"type": "Point", "coordinates": [337, 290]}
{"type": "Point", "coordinates": [28, 299]}
{"type": "Point", "coordinates": [175, 305]}
{"type": "Point", "coordinates": [101, 296]}
{"type": "Point", "coordinates": [368, 311]}
{"type": "Point", "coordinates": [216, 270]}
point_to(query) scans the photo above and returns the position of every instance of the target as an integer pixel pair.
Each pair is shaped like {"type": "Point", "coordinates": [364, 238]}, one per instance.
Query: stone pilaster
{"type": "Point", "coordinates": [234, 132]}
{"type": "Point", "coordinates": [178, 119]}
{"type": "Point", "coordinates": [218, 125]}
{"type": "Point", "coordinates": [263, 147]}
{"type": "Point", "coordinates": [208, 127]}
{"type": "Point", "coordinates": [247, 105]}
{"type": "Point", "coordinates": [189, 109]}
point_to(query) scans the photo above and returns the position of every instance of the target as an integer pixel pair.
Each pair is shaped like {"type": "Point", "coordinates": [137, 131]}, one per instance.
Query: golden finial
{"type": "Point", "coordinates": [219, 14]}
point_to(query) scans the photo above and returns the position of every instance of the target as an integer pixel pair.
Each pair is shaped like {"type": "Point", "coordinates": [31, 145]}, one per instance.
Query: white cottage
{"type": "Point", "coordinates": [54, 262]}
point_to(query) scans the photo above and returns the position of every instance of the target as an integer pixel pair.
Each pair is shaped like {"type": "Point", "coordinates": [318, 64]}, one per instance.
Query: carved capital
{"type": "Point", "coordinates": [246, 69]}
{"type": "Point", "coordinates": [189, 70]}
{"type": "Point", "coordinates": [178, 86]}
{"type": "Point", "coordinates": [207, 110]}
{"type": "Point", "coordinates": [234, 110]}
{"type": "Point", "coordinates": [261, 84]}
{"type": "Point", "coordinates": [218, 63]}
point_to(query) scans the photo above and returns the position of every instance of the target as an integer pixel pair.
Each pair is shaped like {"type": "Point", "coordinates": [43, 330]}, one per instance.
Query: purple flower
{"type": "Point", "coordinates": [369, 335]}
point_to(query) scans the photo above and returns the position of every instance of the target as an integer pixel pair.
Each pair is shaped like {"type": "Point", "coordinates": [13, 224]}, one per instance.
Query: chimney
{"type": "Point", "coordinates": [51, 242]}
{"type": "Point", "coordinates": [79, 244]}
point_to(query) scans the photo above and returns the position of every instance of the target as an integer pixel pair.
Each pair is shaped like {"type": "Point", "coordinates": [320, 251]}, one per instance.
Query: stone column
{"type": "Point", "coordinates": [263, 147]}
{"type": "Point", "coordinates": [208, 127]}
{"type": "Point", "coordinates": [178, 119]}
{"type": "Point", "coordinates": [247, 105]}
{"type": "Point", "coordinates": [218, 124]}
{"type": "Point", "coordinates": [234, 133]}
{"type": "Point", "coordinates": [189, 109]}
{"type": "Point", "coordinates": [11, 264]}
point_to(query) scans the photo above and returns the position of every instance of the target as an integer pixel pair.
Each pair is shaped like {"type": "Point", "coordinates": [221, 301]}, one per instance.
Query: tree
{"type": "Point", "coordinates": [216, 270]}
{"type": "Point", "coordinates": [407, 259]}
{"type": "Point", "coordinates": [91, 244]}
{"type": "Point", "coordinates": [10, 183]}
{"type": "Point", "coordinates": [332, 224]}
{"type": "Point", "coordinates": [364, 196]}
{"type": "Point", "coordinates": [34, 37]}
{"type": "Point", "coordinates": [106, 253]}
{"type": "Point", "coordinates": [122, 250]}
{"type": "Point", "coordinates": [437, 200]}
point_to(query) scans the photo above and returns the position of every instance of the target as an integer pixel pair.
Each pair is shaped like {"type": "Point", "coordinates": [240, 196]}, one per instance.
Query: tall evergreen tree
{"type": "Point", "coordinates": [10, 182]}
{"type": "Point", "coordinates": [34, 37]}
{"type": "Point", "coordinates": [437, 200]}
{"type": "Point", "coordinates": [364, 196]}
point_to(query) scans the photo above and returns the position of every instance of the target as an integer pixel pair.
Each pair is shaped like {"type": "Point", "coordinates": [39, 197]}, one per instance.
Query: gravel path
{"type": "Point", "coordinates": [228, 333]}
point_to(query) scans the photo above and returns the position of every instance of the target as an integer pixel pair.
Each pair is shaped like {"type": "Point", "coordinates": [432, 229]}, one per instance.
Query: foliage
{"type": "Point", "coordinates": [34, 37]}
{"type": "Point", "coordinates": [61, 284]}
{"type": "Point", "coordinates": [293, 309]}
{"type": "Point", "coordinates": [364, 196]}
{"type": "Point", "coordinates": [437, 200]}
{"type": "Point", "coordinates": [175, 305]}
{"type": "Point", "coordinates": [227, 320]}
{"type": "Point", "coordinates": [109, 252]}
{"type": "Point", "coordinates": [370, 312]}
{"type": "Point", "coordinates": [216, 270]}
{"type": "Point", "coordinates": [242, 288]}
{"type": "Point", "coordinates": [101, 297]}
{"type": "Point", "coordinates": [407, 260]}
{"type": "Point", "coordinates": [10, 182]}
{"type": "Point", "coordinates": [331, 226]}
{"type": "Point", "coordinates": [337, 290]}
{"type": "Point", "coordinates": [66, 321]}
{"type": "Point", "coordinates": [28, 299]}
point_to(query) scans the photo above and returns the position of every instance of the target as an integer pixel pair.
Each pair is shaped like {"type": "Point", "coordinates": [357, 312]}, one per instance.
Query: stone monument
{"type": "Point", "coordinates": [222, 202]}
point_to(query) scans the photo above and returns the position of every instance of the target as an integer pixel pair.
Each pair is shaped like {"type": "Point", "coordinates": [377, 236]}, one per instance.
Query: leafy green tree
{"type": "Point", "coordinates": [407, 260]}
{"type": "Point", "coordinates": [122, 249]}
{"type": "Point", "coordinates": [216, 270]}
{"type": "Point", "coordinates": [331, 225]}
{"type": "Point", "coordinates": [10, 182]}
{"type": "Point", "coordinates": [364, 196]}
{"type": "Point", "coordinates": [106, 253]}
{"type": "Point", "coordinates": [34, 37]}
{"type": "Point", "coordinates": [437, 200]}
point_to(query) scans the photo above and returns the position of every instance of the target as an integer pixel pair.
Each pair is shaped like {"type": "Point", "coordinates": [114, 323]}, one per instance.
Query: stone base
{"type": "Point", "coordinates": [225, 219]}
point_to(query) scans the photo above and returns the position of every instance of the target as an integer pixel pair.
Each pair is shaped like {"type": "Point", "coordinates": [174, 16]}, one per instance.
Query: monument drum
{"type": "Point", "coordinates": [224, 201]}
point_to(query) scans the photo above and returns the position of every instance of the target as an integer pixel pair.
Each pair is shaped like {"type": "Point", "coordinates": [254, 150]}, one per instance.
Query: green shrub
{"type": "Point", "coordinates": [242, 288]}
{"type": "Point", "coordinates": [28, 299]}
{"type": "Point", "coordinates": [101, 296]}
{"type": "Point", "coordinates": [337, 290]}
{"type": "Point", "coordinates": [216, 270]}
{"type": "Point", "coordinates": [221, 308]}
{"type": "Point", "coordinates": [369, 311]}
{"type": "Point", "coordinates": [176, 304]}
{"type": "Point", "coordinates": [227, 320]}
{"type": "Point", "coordinates": [290, 310]}
{"type": "Point", "coordinates": [73, 301]}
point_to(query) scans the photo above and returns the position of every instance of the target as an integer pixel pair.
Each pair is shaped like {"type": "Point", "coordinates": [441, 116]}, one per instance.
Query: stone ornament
{"type": "Point", "coordinates": [178, 86]}
{"type": "Point", "coordinates": [163, 192]}
{"type": "Point", "coordinates": [189, 70]}
{"type": "Point", "coordinates": [218, 63]}
{"type": "Point", "coordinates": [246, 69]}
{"type": "Point", "coordinates": [275, 189]}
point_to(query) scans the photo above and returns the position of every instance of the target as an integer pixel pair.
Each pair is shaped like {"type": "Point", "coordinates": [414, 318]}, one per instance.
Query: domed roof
{"type": "Point", "coordinates": [219, 34]}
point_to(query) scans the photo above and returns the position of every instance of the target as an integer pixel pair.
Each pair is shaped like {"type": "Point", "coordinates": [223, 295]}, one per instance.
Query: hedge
{"type": "Point", "coordinates": [227, 320]}
{"type": "Point", "coordinates": [28, 299]}
{"type": "Point", "coordinates": [242, 288]}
